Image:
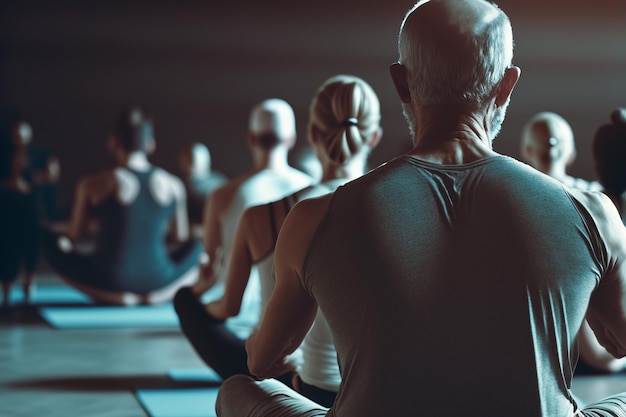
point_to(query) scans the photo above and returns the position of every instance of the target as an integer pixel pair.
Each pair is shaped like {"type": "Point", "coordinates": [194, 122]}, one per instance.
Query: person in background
{"type": "Point", "coordinates": [136, 206]}
{"type": "Point", "coordinates": [609, 158]}
{"type": "Point", "coordinates": [42, 170]}
{"type": "Point", "coordinates": [548, 146]}
{"type": "Point", "coordinates": [271, 135]}
{"type": "Point", "coordinates": [199, 179]}
{"type": "Point", "coordinates": [19, 223]}
{"type": "Point", "coordinates": [344, 127]}
{"type": "Point", "coordinates": [450, 251]}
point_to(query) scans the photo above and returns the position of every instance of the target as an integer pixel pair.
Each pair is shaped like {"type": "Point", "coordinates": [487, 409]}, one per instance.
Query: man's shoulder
{"type": "Point", "coordinates": [604, 214]}
{"type": "Point", "coordinates": [310, 211]}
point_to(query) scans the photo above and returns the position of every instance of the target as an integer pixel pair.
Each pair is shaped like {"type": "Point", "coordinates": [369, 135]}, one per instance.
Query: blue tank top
{"type": "Point", "coordinates": [131, 249]}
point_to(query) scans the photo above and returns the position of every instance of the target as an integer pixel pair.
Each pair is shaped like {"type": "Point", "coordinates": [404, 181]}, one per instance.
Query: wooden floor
{"type": "Point", "coordinates": [48, 372]}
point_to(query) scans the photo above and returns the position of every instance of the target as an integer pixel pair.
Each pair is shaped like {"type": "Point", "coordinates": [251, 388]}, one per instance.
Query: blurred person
{"type": "Point", "coordinates": [136, 207]}
{"type": "Point", "coordinates": [199, 179]}
{"type": "Point", "coordinates": [271, 134]}
{"type": "Point", "coordinates": [344, 127]}
{"type": "Point", "coordinates": [19, 223]}
{"type": "Point", "coordinates": [609, 158]}
{"type": "Point", "coordinates": [548, 146]}
{"type": "Point", "coordinates": [42, 170]}
{"type": "Point", "coordinates": [444, 252]}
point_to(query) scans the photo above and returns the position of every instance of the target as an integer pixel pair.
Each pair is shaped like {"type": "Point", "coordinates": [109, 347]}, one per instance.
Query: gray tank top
{"type": "Point", "coordinates": [454, 289]}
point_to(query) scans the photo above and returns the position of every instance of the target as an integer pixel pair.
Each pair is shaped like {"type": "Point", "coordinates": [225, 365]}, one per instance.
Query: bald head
{"type": "Point", "coordinates": [272, 122]}
{"type": "Point", "coordinates": [547, 139]}
{"type": "Point", "coordinates": [195, 159]}
{"type": "Point", "coordinates": [455, 51]}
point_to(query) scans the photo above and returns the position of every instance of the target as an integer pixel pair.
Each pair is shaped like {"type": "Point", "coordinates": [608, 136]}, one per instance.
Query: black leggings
{"type": "Point", "coordinates": [222, 350]}
{"type": "Point", "coordinates": [213, 341]}
{"type": "Point", "coordinates": [319, 395]}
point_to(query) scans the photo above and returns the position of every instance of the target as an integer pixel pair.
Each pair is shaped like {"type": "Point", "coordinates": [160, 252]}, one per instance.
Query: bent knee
{"type": "Point", "coordinates": [232, 394]}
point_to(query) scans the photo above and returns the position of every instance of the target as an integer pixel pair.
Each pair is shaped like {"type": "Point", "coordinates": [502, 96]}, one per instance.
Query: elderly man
{"type": "Point", "coordinates": [454, 279]}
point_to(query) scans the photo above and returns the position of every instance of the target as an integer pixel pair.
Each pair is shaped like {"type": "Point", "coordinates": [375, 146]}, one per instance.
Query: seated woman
{"type": "Point", "coordinates": [19, 222]}
{"type": "Point", "coordinates": [134, 205]}
{"type": "Point", "coordinates": [343, 129]}
{"type": "Point", "coordinates": [609, 157]}
{"type": "Point", "coordinates": [199, 179]}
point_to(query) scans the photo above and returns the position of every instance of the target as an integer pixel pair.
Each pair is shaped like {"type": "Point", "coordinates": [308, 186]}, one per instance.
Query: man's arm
{"type": "Point", "coordinates": [607, 308]}
{"type": "Point", "coordinates": [291, 310]}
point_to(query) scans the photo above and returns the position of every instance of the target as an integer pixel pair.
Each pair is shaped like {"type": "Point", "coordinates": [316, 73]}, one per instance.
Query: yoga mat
{"type": "Point", "coordinates": [194, 375]}
{"type": "Point", "coordinates": [188, 402]}
{"type": "Point", "coordinates": [49, 294]}
{"type": "Point", "coordinates": [93, 317]}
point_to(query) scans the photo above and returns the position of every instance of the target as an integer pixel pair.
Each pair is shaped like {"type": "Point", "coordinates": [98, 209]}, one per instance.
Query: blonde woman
{"type": "Point", "coordinates": [344, 127]}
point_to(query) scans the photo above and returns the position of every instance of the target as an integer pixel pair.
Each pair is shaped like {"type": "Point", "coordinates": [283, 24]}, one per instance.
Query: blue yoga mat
{"type": "Point", "coordinates": [92, 317]}
{"type": "Point", "coordinates": [187, 402]}
{"type": "Point", "coordinates": [50, 294]}
{"type": "Point", "coordinates": [202, 374]}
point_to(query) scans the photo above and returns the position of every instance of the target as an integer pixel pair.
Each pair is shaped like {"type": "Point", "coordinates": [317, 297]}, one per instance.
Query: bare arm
{"type": "Point", "coordinates": [291, 309]}
{"type": "Point", "coordinates": [241, 262]}
{"type": "Point", "coordinates": [212, 240]}
{"type": "Point", "coordinates": [180, 226]}
{"type": "Point", "coordinates": [80, 209]}
{"type": "Point", "coordinates": [607, 308]}
{"type": "Point", "coordinates": [594, 354]}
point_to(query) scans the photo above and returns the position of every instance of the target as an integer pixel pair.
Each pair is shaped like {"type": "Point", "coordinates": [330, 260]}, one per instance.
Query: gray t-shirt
{"type": "Point", "coordinates": [454, 289]}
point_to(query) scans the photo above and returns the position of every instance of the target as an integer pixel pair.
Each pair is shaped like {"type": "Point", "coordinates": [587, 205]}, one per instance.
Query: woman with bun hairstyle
{"type": "Point", "coordinates": [344, 126]}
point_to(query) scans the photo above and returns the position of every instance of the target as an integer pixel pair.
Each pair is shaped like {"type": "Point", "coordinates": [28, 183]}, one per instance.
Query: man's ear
{"type": "Point", "coordinates": [398, 76]}
{"type": "Point", "coordinates": [510, 78]}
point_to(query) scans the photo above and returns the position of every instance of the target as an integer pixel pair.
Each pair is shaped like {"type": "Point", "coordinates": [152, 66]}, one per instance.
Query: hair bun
{"type": "Point", "coordinates": [618, 116]}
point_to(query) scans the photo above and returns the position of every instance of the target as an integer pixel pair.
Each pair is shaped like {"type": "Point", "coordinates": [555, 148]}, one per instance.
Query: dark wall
{"type": "Point", "coordinates": [200, 66]}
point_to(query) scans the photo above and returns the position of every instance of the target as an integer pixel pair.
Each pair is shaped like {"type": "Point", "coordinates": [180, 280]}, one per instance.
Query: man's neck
{"type": "Point", "coordinates": [446, 137]}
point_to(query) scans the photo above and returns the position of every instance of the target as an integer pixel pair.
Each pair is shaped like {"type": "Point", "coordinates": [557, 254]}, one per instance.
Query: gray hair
{"type": "Point", "coordinates": [451, 58]}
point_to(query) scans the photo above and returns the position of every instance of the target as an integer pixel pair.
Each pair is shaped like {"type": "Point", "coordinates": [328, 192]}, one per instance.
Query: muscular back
{"type": "Point", "coordinates": [466, 284]}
